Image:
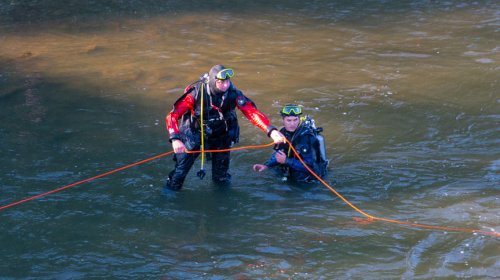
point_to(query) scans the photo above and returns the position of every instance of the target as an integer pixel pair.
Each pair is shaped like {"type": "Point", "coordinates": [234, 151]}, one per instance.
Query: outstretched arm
{"type": "Point", "coordinates": [269, 163]}
{"type": "Point", "coordinates": [258, 119]}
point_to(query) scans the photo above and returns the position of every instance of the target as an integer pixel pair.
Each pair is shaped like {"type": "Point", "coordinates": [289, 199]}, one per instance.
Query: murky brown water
{"type": "Point", "coordinates": [407, 93]}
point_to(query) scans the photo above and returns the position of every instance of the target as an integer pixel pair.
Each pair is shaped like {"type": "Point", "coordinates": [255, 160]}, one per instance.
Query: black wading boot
{"type": "Point", "coordinates": [173, 184]}
{"type": "Point", "coordinates": [223, 180]}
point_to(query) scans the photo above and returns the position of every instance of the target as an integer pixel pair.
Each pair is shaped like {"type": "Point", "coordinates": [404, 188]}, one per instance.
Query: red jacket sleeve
{"type": "Point", "coordinates": [182, 106]}
{"type": "Point", "coordinates": [255, 116]}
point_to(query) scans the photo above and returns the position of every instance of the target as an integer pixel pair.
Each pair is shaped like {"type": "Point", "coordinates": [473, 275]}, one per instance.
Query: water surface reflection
{"type": "Point", "coordinates": [406, 92]}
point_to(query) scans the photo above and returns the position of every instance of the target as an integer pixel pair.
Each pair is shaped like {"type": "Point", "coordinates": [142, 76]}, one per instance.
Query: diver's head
{"type": "Point", "coordinates": [219, 78]}
{"type": "Point", "coordinates": [291, 116]}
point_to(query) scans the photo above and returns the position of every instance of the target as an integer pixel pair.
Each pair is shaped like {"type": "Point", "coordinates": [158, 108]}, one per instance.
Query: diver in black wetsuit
{"type": "Point", "coordinates": [306, 140]}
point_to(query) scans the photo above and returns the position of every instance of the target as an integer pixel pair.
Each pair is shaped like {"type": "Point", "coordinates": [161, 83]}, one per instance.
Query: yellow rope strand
{"type": "Point", "coordinates": [202, 130]}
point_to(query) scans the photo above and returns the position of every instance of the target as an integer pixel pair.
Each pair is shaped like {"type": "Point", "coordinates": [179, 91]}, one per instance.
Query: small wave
{"type": "Point", "coordinates": [404, 55]}
{"type": "Point", "coordinates": [485, 60]}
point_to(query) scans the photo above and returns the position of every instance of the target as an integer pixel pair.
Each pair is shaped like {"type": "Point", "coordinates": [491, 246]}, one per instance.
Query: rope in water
{"type": "Point", "coordinates": [118, 170]}
{"type": "Point", "coordinates": [374, 218]}
{"type": "Point", "coordinates": [85, 181]}
{"type": "Point", "coordinates": [368, 216]}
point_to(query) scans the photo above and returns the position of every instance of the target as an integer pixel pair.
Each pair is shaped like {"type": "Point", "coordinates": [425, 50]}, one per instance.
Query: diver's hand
{"type": "Point", "coordinates": [178, 146]}
{"type": "Point", "coordinates": [280, 157]}
{"type": "Point", "coordinates": [277, 137]}
{"type": "Point", "coordinates": [259, 167]}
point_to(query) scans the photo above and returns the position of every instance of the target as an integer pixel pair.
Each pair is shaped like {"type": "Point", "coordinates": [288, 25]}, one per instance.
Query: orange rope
{"type": "Point", "coordinates": [84, 181]}
{"type": "Point", "coordinates": [370, 217]}
{"type": "Point", "coordinates": [231, 149]}
{"type": "Point", "coordinates": [120, 169]}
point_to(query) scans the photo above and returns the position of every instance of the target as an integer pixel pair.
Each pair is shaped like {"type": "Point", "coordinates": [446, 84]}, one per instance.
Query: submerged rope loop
{"type": "Point", "coordinates": [368, 216]}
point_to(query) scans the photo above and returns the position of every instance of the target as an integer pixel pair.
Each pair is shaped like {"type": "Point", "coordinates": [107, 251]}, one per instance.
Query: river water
{"type": "Point", "coordinates": [407, 93]}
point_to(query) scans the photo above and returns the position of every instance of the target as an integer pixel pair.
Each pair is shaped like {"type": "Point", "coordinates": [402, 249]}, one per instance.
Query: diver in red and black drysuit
{"type": "Point", "coordinates": [220, 124]}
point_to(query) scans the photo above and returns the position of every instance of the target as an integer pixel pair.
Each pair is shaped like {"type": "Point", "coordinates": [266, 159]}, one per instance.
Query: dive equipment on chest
{"type": "Point", "coordinates": [214, 122]}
